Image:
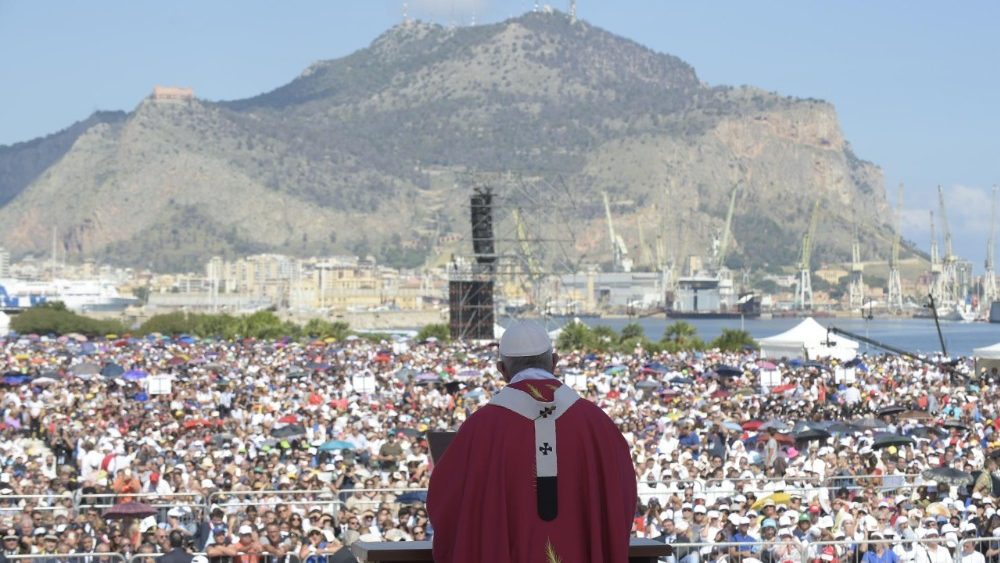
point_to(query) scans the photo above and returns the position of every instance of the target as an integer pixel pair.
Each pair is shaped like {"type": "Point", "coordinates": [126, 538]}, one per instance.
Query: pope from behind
{"type": "Point", "coordinates": [537, 475]}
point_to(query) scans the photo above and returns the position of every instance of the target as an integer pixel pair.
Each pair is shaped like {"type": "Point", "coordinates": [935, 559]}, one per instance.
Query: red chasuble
{"type": "Point", "coordinates": [537, 475]}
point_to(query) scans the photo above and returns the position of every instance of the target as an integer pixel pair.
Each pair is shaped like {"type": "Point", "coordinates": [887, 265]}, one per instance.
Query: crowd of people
{"type": "Point", "coordinates": [270, 450]}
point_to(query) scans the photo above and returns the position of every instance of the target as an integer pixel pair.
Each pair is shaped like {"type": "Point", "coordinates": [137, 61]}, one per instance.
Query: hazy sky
{"type": "Point", "coordinates": [916, 83]}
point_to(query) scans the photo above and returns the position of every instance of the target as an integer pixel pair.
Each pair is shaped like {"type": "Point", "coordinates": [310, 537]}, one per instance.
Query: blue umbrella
{"type": "Point", "coordinates": [112, 370]}
{"type": "Point", "coordinates": [336, 445]}
{"type": "Point", "coordinates": [141, 396]}
{"type": "Point", "coordinates": [135, 375]}
{"type": "Point", "coordinates": [14, 378]}
{"type": "Point", "coordinates": [682, 380]}
{"type": "Point", "coordinates": [615, 369]}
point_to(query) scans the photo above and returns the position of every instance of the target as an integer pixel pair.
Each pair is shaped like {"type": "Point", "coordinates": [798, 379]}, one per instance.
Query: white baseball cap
{"type": "Point", "coordinates": [245, 530]}
{"type": "Point", "coordinates": [524, 339]}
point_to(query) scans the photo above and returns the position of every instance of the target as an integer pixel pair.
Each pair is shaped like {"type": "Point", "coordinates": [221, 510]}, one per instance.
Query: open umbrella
{"type": "Point", "coordinates": [289, 419]}
{"type": "Point", "coordinates": [955, 425]}
{"type": "Point", "coordinates": [14, 378]}
{"type": "Point", "coordinates": [728, 371]}
{"type": "Point", "coordinates": [647, 384]}
{"type": "Point", "coordinates": [112, 370]}
{"type": "Point", "coordinates": [682, 380]}
{"type": "Point", "coordinates": [43, 381]}
{"type": "Point", "coordinates": [888, 439]}
{"type": "Point", "coordinates": [815, 365]}
{"type": "Point", "coordinates": [783, 388]}
{"type": "Point", "coordinates": [85, 369]}
{"type": "Point", "coordinates": [776, 498]}
{"type": "Point", "coordinates": [948, 476]}
{"type": "Point", "coordinates": [290, 431]}
{"type": "Point", "coordinates": [134, 375]}
{"type": "Point", "coordinates": [408, 432]}
{"type": "Point", "coordinates": [752, 425]}
{"type": "Point", "coordinates": [130, 510]}
{"type": "Point", "coordinates": [766, 365]}
{"type": "Point", "coordinates": [731, 425]}
{"type": "Point", "coordinates": [916, 415]}
{"type": "Point", "coordinates": [337, 445]}
{"type": "Point", "coordinates": [812, 435]}
{"type": "Point", "coordinates": [890, 410]}
{"type": "Point", "coordinates": [720, 394]}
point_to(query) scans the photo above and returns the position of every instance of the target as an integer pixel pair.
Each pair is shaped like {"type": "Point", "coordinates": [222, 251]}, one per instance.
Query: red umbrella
{"type": "Point", "coordinates": [719, 394]}
{"type": "Point", "coordinates": [289, 419]}
{"type": "Point", "coordinates": [783, 388]}
{"type": "Point", "coordinates": [752, 425]}
{"type": "Point", "coordinates": [129, 510]}
{"type": "Point", "coordinates": [785, 439]}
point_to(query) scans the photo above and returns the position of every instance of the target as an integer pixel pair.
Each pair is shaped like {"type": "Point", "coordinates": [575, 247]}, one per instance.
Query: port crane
{"type": "Point", "coordinates": [804, 292]}
{"type": "Point", "coordinates": [619, 251]}
{"type": "Point", "coordinates": [989, 277]}
{"type": "Point", "coordinates": [949, 287]}
{"type": "Point", "coordinates": [935, 289]}
{"type": "Point", "coordinates": [720, 257]}
{"type": "Point", "coordinates": [895, 289]}
{"type": "Point", "coordinates": [856, 282]}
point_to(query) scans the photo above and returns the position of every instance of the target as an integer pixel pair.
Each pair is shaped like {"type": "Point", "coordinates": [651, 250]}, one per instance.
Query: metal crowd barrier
{"type": "Point", "coordinates": [106, 500]}
{"type": "Point", "coordinates": [261, 558]}
{"type": "Point", "coordinates": [110, 557]}
{"type": "Point", "coordinates": [693, 552]}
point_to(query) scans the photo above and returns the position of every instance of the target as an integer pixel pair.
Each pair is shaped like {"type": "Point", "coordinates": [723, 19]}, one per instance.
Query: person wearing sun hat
{"type": "Point", "coordinates": [521, 470]}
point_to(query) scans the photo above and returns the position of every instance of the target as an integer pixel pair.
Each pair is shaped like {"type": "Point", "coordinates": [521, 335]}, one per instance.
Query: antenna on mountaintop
{"type": "Point", "coordinates": [406, 14]}
{"type": "Point", "coordinates": [572, 11]}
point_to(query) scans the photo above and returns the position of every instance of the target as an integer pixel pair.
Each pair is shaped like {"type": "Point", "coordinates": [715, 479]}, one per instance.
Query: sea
{"type": "Point", "coordinates": [913, 335]}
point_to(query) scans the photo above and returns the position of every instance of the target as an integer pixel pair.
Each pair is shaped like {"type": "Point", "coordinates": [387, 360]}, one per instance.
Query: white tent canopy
{"type": "Point", "coordinates": [810, 340]}
{"type": "Point", "coordinates": [987, 352]}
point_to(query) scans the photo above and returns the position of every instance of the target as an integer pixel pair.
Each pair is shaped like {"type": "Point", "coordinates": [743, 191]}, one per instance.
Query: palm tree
{"type": "Point", "coordinates": [682, 336]}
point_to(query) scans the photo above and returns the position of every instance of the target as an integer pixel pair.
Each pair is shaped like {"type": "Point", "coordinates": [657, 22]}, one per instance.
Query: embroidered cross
{"type": "Point", "coordinates": [545, 448]}
{"type": "Point", "coordinates": [546, 411]}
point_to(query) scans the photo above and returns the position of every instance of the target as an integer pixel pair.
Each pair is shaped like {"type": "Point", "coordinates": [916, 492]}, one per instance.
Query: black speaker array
{"type": "Point", "coordinates": [483, 244]}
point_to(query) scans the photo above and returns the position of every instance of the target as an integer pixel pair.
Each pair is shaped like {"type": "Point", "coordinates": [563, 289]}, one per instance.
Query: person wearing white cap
{"type": "Point", "coordinates": [521, 471]}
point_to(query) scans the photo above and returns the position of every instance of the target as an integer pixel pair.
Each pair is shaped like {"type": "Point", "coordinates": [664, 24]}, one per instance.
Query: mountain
{"type": "Point", "coordinates": [377, 153]}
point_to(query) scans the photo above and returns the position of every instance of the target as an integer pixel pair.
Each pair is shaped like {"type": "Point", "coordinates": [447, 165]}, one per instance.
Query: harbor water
{"type": "Point", "coordinates": [914, 335]}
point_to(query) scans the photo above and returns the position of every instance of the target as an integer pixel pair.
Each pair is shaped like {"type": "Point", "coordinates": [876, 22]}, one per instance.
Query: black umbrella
{"type": "Point", "coordinates": [682, 380]}
{"type": "Point", "coordinates": [728, 371]}
{"type": "Point", "coordinates": [916, 415]}
{"type": "Point", "coordinates": [409, 432]}
{"type": "Point", "coordinates": [812, 435]}
{"type": "Point", "coordinates": [956, 425]}
{"type": "Point", "coordinates": [887, 439]}
{"type": "Point", "coordinates": [890, 410]}
{"type": "Point", "coordinates": [948, 476]}
{"type": "Point", "coordinates": [290, 431]}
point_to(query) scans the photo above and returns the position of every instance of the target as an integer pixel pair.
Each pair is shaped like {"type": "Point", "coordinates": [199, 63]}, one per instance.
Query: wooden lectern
{"type": "Point", "coordinates": [640, 551]}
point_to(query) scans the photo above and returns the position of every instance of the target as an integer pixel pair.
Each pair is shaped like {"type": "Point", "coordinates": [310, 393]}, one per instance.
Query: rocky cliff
{"type": "Point", "coordinates": [376, 153]}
